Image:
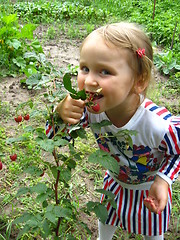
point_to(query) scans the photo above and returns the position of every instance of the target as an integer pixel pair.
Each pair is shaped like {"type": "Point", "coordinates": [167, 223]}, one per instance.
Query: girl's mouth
{"type": "Point", "coordinates": [92, 96]}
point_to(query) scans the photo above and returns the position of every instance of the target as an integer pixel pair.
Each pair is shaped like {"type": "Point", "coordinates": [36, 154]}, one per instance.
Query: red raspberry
{"type": "Point", "coordinates": [18, 119]}
{"type": "Point", "coordinates": [42, 174]}
{"type": "Point", "coordinates": [26, 117]}
{"type": "Point", "coordinates": [96, 108]}
{"type": "Point", "coordinates": [1, 166]}
{"type": "Point", "coordinates": [13, 157]}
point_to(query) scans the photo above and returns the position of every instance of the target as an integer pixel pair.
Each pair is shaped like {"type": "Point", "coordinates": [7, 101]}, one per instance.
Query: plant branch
{"type": "Point", "coordinates": [57, 178]}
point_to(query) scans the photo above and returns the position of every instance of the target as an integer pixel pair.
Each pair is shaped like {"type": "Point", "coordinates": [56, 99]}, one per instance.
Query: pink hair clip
{"type": "Point", "coordinates": [140, 52]}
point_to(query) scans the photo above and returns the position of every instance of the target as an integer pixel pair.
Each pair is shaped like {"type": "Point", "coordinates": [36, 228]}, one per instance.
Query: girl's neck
{"type": "Point", "coordinates": [121, 115]}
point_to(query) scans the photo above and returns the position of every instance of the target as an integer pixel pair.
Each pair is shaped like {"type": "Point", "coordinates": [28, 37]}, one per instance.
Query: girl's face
{"type": "Point", "coordinates": [106, 67]}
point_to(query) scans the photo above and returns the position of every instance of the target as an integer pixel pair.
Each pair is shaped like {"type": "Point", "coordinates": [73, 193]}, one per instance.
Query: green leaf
{"type": "Point", "coordinates": [51, 217]}
{"type": "Point", "coordinates": [23, 231]}
{"type": "Point", "coordinates": [39, 188]}
{"type": "Point", "coordinates": [46, 144]}
{"type": "Point", "coordinates": [101, 124]}
{"type": "Point", "coordinates": [23, 218]}
{"type": "Point", "coordinates": [37, 46]}
{"type": "Point", "coordinates": [42, 197]}
{"type": "Point", "coordinates": [110, 196]}
{"type": "Point", "coordinates": [22, 191]}
{"type": "Point", "coordinates": [99, 210]}
{"type": "Point", "coordinates": [46, 229]}
{"type": "Point", "coordinates": [103, 158]}
{"type": "Point", "coordinates": [107, 193]}
{"type": "Point", "coordinates": [14, 43]}
{"type": "Point", "coordinates": [33, 79]}
{"type": "Point", "coordinates": [12, 18]}
{"type": "Point", "coordinates": [27, 31]}
{"type": "Point", "coordinates": [62, 212]}
{"type": "Point", "coordinates": [71, 164]}
{"type": "Point", "coordinates": [82, 94]}
{"type": "Point", "coordinates": [67, 83]}
{"type": "Point", "coordinates": [20, 62]}
{"type": "Point", "coordinates": [65, 175]}
{"type": "Point", "coordinates": [19, 139]}
{"type": "Point", "coordinates": [177, 67]}
{"type": "Point", "coordinates": [54, 171]}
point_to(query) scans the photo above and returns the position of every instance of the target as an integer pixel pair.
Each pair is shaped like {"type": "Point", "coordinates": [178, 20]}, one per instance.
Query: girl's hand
{"type": "Point", "coordinates": [70, 110]}
{"type": "Point", "coordinates": [158, 196]}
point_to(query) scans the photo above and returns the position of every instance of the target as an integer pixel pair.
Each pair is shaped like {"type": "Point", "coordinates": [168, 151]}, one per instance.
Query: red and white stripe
{"type": "Point", "coordinates": [131, 213]}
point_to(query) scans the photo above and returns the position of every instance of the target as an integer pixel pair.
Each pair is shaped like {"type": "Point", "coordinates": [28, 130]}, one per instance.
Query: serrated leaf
{"type": "Point", "coordinates": [19, 139]}
{"type": "Point", "coordinates": [107, 193]}
{"type": "Point", "coordinates": [62, 212]}
{"type": "Point", "coordinates": [42, 197]}
{"type": "Point", "coordinates": [99, 210]}
{"type": "Point", "coordinates": [60, 142]}
{"type": "Point", "coordinates": [54, 171]}
{"type": "Point", "coordinates": [46, 144]}
{"type": "Point", "coordinates": [51, 217]}
{"type": "Point", "coordinates": [23, 218]}
{"type": "Point", "coordinates": [33, 79]}
{"type": "Point", "coordinates": [14, 43]}
{"type": "Point", "coordinates": [71, 164]}
{"type": "Point", "coordinates": [105, 160]}
{"type": "Point", "coordinates": [46, 229]}
{"type": "Point", "coordinates": [101, 124]}
{"type": "Point", "coordinates": [22, 191]}
{"type": "Point", "coordinates": [65, 175]}
{"type": "Point", "coordinates": [39, 188]}
{"type": "Point", "coordinates": [23, 231]}
{"type": "Point", "coordinates": [33, 170]}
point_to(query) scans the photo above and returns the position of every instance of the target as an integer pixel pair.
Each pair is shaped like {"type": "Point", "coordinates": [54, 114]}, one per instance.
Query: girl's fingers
{"type": "Point", "coordinates": [151, 204]}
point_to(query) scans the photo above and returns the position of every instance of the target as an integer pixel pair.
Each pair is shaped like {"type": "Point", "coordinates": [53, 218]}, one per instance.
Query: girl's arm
{"type": "Point", "coordinates": [158, 193]}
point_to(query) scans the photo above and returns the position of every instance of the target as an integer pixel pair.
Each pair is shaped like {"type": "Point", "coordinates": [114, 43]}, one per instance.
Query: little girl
{"type": "Point", "coordinates": [116, 61]}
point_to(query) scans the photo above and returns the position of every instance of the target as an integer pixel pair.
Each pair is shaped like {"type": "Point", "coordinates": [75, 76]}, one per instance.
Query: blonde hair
{"type": "Point", "coordinates": [130, 36]}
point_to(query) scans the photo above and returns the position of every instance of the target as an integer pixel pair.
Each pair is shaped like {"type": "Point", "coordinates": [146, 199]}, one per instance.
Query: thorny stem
{"type": "Point", "coordinates": [57, 178]}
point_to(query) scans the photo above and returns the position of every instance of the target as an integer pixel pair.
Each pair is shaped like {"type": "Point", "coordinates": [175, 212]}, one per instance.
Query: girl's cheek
{"type": "Point", "coordinates": [80, 82]}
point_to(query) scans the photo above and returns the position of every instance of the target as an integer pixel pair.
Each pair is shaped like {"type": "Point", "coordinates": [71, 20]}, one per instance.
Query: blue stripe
{"type": "Point", "coordinates": [178, 132]}
{"type": "Point", "coordinates": [113, 186]}
{"type": "Point", "coordinates": [162, 149]}
{"type": "Point", "coordinates": [165, 219]}
{"type": "Point", "coordinates": [134, 213]}
{"type": "Point", "coordinates": [171, 164]}
{"type": "Point", "coordinates": [106, 177]}
{"type": "Point", "coordinates": [117, 222]}
{"type": "Point", "coordinates": [124, 209]}
{"type": "Point", "coordinates": [144, 219]}
{"type": "Point", "coordinates": [153, 108]}
{"type": "Point", "coordinates": [110, 215]}
{"type": "Point", "coordinates": [169, 143]}
{"type": "Point", "coordinates": [167, 116]}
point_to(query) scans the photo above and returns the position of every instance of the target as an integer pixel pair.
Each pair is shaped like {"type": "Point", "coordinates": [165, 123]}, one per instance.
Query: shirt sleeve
{"type": "Point", "coordinates": [171, 146]}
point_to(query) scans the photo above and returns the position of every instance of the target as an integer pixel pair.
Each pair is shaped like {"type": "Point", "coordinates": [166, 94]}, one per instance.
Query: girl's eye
{"type": "Point", "coordinates": [85, 69]}
{"type": "Point", "coordinates": [105, 72]}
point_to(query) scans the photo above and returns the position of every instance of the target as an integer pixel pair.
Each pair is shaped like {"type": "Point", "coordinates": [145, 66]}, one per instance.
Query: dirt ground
{"type": "Point", "coordinates": [62, 53]}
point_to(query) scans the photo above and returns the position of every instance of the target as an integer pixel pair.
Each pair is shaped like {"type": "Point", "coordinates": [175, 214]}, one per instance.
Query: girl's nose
{"type": "Point", "coordinates": [91, 80]}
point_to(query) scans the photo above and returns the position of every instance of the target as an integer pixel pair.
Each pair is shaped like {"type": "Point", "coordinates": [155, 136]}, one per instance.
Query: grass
{"type": "Point", "coordinates": [77, 27]}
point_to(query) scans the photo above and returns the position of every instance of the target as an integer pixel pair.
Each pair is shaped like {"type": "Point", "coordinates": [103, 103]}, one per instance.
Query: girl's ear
{"type": "Point", "coordinates": [140, 85]}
